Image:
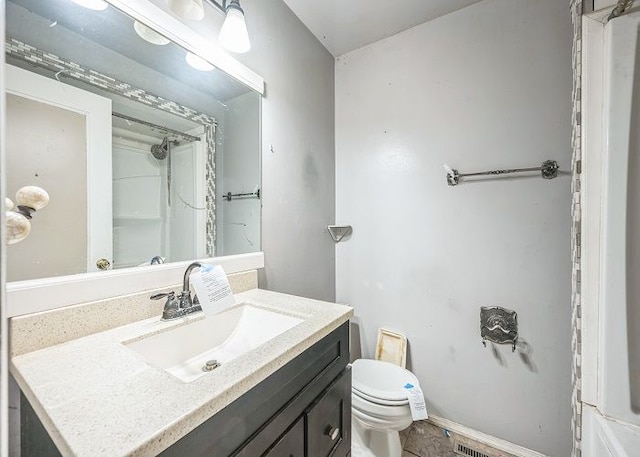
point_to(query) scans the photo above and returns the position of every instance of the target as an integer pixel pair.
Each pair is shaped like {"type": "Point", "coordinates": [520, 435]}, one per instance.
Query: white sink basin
{"type": "Point", "coordinates": [183, 351]}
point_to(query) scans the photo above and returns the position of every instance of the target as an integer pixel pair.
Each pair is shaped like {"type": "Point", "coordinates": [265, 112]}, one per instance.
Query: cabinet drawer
{"type": "Point", "coordinates": [291, 444]}
{"type": "Point", "coordinates": [328, 421]}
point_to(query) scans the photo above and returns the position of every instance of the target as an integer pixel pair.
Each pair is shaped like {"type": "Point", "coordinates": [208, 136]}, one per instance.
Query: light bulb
{"type": "Point", "coordinates": [18, 227]}
{"type": "Point", "coordinates": [149, 35]}
{"type": "Point", "coordinates": [234, 35]}
{"type": "Point", "coordinates": [187, 9]}
{"type": "Point", "coordinates": [8, 204]}
{"type": "Point", "coordinates": [33, 197]}
{"type": "Point", "coordinates": [96, 5]}
{"type": "Point", "coordinates": [198, 62]}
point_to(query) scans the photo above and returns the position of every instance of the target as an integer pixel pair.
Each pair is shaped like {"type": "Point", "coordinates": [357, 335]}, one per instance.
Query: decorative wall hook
{"type": "Point", "coordinates": [498, 325]}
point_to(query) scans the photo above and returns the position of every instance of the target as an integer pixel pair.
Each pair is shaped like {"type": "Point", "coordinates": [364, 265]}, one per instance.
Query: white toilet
{"type": "Point", "coordinates": [380, 408]}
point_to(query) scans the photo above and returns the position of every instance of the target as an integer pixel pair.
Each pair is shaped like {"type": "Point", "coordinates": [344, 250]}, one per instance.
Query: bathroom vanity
{"type": "Point", "coordinates": [303, 409]}
{"type": "Point", "coordinates": [290, 396]}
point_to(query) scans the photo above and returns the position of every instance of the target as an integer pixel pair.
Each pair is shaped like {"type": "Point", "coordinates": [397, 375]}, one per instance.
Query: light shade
{"type": "Point", "coordinates": [187, 9]}
{"type": "Point", "coordinates": [17, 227]}
{"type": "Point", "coordinates": [33, 197]}
{"type": "Point", "coordinates": [149, 35]}
{"type": "Point", "coordinates": [234, 35]}
{"type": "Point", "coordinates": [198, 62]}
{"type": "Point", "coordinates": [96, 5]}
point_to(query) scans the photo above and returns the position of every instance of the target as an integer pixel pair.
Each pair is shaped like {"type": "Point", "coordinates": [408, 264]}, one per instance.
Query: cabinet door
{"type": "Point", "coordinates": [329, 420]}
{"type": "Point", "coordinates": [291, 444]}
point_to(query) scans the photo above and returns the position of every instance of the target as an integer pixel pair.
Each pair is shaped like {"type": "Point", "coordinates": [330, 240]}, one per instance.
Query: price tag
{"type": "Point", "coordinates": [416, 402]}
{"type": "Point", "coordinates": [212, 288]}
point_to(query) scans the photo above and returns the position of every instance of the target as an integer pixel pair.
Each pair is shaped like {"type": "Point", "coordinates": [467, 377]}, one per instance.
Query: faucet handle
{"type": "Point", "coordinates": [171, 307]}
{"type": "Point", "coordinates": [171, 295]}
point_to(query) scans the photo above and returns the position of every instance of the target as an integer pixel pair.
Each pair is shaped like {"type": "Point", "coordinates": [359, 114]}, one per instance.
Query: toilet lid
{"type": "Point", "coordinates": [381, 380]}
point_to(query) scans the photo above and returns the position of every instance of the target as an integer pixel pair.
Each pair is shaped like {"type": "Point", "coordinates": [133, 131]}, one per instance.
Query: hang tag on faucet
{"type": "Point", "coordinates": [211, 285]}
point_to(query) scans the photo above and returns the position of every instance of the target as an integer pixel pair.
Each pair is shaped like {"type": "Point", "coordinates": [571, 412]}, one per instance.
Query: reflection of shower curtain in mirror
{"type": "Point", "coordinates": [145, 223]}
{"type": "Point", "coordinates": [137, 211]}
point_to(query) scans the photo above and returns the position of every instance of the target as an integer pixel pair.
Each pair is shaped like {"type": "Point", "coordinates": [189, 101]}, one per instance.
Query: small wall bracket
{"type": "Point", "coordinates": [338, 232]}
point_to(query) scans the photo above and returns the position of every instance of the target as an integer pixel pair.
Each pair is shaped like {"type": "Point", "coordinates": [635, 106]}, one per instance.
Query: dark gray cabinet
{"type": "Point", "coordinates": [323, 430]}
{"type": "Point", "coordinates": [328, 421]}
{"type": "Point", "coordinates": [315, 421]}
{"type": "Point", "coordinates": [301, 410]}
{"type": "Point", "coordinates": [291, 444]}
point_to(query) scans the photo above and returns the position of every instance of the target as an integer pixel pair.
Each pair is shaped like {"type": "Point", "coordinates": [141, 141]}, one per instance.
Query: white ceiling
{"type": "Point", "coordinates": [345, 25]}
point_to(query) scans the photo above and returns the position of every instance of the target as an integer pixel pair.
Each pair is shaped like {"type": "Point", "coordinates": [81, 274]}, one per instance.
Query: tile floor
{"type": "Point", "coordinates": [423, 439]}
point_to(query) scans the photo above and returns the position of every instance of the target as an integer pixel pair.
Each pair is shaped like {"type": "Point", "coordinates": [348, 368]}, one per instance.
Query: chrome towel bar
{"type": "Point", "coordinates": [229, 196]}
{"type": "Point", "coordinates": [548, 170]}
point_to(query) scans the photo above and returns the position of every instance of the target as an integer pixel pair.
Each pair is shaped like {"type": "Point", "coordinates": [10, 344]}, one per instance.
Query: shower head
{"type": "Point", "coordinates": [160, 151]}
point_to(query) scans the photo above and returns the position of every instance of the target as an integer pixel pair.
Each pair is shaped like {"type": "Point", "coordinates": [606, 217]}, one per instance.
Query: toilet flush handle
{"type": "Point", "coordinates": [332, 432]}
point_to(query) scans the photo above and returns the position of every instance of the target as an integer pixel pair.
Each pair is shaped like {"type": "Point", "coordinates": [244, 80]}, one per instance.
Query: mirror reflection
{"type": "Point", "coordinates": [149, 154]}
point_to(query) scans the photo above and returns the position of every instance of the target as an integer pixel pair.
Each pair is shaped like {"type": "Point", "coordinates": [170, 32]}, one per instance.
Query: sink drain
{"type": "Point", "coordinates": [210, 365]}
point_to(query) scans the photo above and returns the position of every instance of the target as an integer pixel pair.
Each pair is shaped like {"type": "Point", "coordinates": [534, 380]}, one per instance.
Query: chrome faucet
{"type": "Point", "coordinates": [185, 296]}
{"type": "Point", "coordinates": [183, 304]}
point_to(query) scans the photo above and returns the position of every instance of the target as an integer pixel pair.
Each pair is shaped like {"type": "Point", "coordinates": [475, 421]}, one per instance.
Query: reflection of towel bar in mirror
{"type": "Point", "coordinates": [229, 196]}
{"type": "Point", "coordinates": [548, 170]}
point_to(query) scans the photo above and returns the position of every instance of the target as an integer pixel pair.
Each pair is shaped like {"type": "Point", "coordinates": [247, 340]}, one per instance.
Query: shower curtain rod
{"type": "Point", "coordinates": [163, 129]}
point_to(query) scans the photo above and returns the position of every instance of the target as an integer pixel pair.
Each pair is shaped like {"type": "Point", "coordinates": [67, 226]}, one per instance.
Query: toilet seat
{"type": "Point", "coordinates": [379, 401]}
{"type": "Point", "coordinates": [380, 411]}
{"type": "Point", "coordinates": [381, 382]}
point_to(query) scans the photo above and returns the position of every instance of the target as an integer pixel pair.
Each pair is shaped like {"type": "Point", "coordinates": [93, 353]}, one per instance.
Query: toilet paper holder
{"type": "Point", "coordinates": [498, 325]}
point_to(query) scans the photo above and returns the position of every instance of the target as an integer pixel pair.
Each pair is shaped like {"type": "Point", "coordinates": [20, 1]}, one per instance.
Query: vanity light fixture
{"type": "Point", "coordinates": [233, 35]}
{"type": "Point", "coordinates": [198, 62]}
{"type": "Point", "coordinates": [29, 199]}
{"type": "Point", "coordinates": [96, 5]}
{"type": "Point", "coordinates": [149, 35]}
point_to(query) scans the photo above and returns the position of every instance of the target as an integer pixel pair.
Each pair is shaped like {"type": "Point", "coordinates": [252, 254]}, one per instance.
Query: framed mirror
{"type": "Point", "coordinates": [149, 153]}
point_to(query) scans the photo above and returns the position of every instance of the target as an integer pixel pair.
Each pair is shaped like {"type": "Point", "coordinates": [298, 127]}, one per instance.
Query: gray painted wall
{"type": "Point", "coordinates": [298, 161]}
{"type": "Point", "coordinates": [298, 146]}
{"type": "Point", "coordinates": [486, 87]}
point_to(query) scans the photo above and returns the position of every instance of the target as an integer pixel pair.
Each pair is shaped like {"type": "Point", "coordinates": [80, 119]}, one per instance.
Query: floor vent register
{"type": "Point", "coordinates": [468, 450]}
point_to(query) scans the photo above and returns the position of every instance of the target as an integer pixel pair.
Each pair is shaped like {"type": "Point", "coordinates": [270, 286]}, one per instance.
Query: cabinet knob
{"type": "Point", "coordinates": [332, 432]}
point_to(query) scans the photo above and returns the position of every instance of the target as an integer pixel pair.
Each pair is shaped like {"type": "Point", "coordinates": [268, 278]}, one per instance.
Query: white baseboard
{"type": "Point", "coordinates": [483, 438]}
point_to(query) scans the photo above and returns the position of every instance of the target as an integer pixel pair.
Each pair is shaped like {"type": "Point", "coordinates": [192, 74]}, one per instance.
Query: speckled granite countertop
{"type": "Point", "coordinates": [96, 397]}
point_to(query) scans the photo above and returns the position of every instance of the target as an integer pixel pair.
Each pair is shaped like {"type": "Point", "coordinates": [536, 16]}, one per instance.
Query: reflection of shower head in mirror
{"type": "Point", "coordinates": [160, 151]}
